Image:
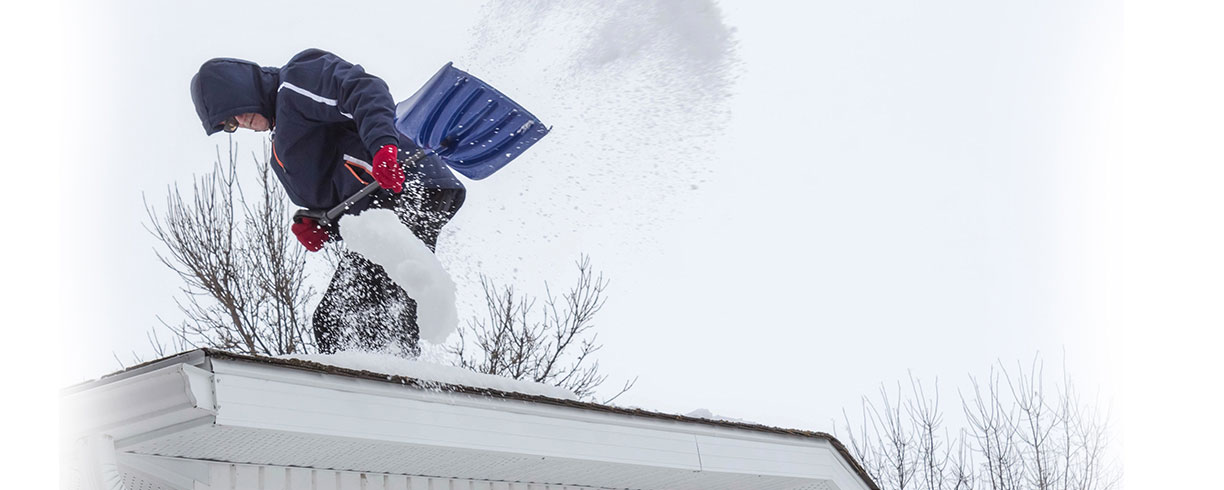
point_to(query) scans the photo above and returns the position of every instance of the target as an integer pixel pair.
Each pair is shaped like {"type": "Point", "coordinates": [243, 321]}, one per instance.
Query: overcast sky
{"type": "Point", "coordinates": [896, 188]}
{"type": "Point", "coordinates": [901, 187]}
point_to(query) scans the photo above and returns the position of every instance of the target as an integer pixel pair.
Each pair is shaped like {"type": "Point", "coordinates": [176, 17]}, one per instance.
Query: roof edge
{"type": "Point", "coordinates": [196, 357]}
{"type": "Point", "coordinates": [201, 356]}
{"type": "Point", "coordinates": [637, 412]}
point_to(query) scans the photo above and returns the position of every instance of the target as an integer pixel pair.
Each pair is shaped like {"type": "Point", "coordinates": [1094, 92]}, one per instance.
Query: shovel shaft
{"type": "Point", "coordinates": [334, 213]}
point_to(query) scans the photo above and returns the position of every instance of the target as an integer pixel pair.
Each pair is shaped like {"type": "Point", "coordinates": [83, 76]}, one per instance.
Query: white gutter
{"type": "Point", "coordinates": [219, 409]}
{"type": "Point", "coordinates": [140, 404]}
{"type": "Point", "coordinates": [268, 399]}
{"type": "Point", "coordinates": [128, 410]}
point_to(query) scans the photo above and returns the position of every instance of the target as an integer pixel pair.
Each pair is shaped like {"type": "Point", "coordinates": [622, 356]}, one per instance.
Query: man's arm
{"type": "Point", "coordinates": [329, 89]}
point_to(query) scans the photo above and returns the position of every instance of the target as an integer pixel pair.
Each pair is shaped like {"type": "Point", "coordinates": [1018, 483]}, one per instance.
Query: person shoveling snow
{"type": "Point", "coordinates": [377, 236]}
{"type": "Point", "coordinates": [342, 147]}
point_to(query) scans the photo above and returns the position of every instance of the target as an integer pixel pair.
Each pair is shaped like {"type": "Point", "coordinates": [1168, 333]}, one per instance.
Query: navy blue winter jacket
{"type": "Point", "coordinates": [329, 117]}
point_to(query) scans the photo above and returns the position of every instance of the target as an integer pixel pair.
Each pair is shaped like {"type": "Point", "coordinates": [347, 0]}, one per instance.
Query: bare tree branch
{"type": "Point", "coordinates": [243, 275]}
{"type": "Point", "coordinates": [1017, 435]}
{"type": "Point", "coordinates": [554, 346]}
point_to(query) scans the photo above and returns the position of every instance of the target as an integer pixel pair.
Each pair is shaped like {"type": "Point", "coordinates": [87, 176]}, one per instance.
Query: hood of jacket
{"type": "Point", "coordinates": [227, 87]}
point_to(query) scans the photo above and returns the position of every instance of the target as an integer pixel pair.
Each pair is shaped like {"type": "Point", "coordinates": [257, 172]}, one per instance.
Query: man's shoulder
{"type": "Point", "coordinates": [309, 55]}
{"type": "Point", "coordinates": [304, 69]}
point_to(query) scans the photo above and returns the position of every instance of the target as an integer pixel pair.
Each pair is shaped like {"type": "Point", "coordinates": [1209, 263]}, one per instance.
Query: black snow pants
{"type": "Point", "coordinates": [363, 308]}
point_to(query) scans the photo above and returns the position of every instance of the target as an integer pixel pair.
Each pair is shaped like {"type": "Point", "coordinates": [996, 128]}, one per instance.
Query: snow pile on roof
{"type": "Point", "coordinates": [703, 413]}
{"type": "Point", "coordinates": [380, 237]}
{"type": "Point", "coordinates": [427, 371]}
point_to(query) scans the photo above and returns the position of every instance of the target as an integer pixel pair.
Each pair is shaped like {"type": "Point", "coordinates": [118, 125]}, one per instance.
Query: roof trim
{"type": "Point", "coordinates": [197, 357]}
{"type": "Point", "coordinates": [201, 356]}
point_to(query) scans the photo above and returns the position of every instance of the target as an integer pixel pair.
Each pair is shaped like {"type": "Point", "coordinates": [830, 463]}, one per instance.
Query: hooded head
{"type": "Point", "coordinates": [227, 87]}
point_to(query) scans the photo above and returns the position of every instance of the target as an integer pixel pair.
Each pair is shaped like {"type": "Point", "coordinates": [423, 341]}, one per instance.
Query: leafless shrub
{"type": "Point", "coordinates": [554, 347]}
{"type": "Point", "coordinates": [1017, 435]}
{"type": "Point", "coordinates": [243, 274]}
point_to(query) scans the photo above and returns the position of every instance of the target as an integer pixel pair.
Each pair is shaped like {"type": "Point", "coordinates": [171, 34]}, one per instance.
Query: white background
{"type": "Point", "coordinates": [1080, 230]}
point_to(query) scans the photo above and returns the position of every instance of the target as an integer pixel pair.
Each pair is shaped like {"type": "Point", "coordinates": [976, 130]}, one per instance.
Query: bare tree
{"type": "Point", "coordinates": [1017, 435]}
{"type": "Point", "coordinates": [933, 451]}
{"type": "Point", "coordinates": [896, 440]}
{"type": "Point", "coordinates": [243, 274]}
{"type": "Point", "coordinates": [990, 424]}
{"type": "Point", "coordinates": [963, 475]}
{"type": "Point", "coordinates": [554, 347]}
{"type": "Point", "coordinates": [245, 289]}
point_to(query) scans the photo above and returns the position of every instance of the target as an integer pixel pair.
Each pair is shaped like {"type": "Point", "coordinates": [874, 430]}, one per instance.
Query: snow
{"type": "Point", "coordinates": [704, 413]}
{"type": "Point", "coordinates": [380, 237]}
{"type": "Point", "coordinates": [430, 372]}
{"type": "Point", "coordinates": [627, 86]}
{"type": "Point", "coordinates": [611, 77]}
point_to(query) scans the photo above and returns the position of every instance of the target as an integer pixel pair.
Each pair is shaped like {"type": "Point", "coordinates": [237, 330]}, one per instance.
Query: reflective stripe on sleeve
{"type": "Point", "coordinates": [313, 96]}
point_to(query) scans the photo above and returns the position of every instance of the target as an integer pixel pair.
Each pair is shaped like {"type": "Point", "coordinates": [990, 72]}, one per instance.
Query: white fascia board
{"type": "Point", "coordinates": [260, 396]}
{"type": "Point", "coordinates": [735, 455]}
{"type": "Point", "coordinates": [139, 404]}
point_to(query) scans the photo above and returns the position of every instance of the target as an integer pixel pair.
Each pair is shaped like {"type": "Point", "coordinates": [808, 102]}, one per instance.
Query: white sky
{"type": "Point", "coordinates": [896, 184]}
{"type": "Point", "coordinates": [932, 187]}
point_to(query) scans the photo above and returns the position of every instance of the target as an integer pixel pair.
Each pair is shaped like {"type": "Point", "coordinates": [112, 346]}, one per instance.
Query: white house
{"type": "Point", "coordinates": [211, 420]}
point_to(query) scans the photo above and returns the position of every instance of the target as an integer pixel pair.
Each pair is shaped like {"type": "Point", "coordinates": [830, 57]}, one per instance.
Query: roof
{"type": "Point", "coordinates": [262, 378]}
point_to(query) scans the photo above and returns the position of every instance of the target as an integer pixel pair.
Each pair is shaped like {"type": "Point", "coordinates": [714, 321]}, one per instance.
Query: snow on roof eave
{"type": "Point", "coordinates": [203, 358]}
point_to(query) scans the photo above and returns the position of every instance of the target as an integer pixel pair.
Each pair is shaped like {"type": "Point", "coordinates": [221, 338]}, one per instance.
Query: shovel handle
{"type": "Point", "coordinates": [334, 213]}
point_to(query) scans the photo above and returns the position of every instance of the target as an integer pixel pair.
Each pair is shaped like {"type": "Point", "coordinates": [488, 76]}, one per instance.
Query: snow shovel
{"type": "Point", "coordinates": [462, 120]}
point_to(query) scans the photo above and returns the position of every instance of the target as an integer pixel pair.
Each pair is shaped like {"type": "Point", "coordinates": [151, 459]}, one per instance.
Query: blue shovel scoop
{"type": "Point", "coordinates": [465, 122]}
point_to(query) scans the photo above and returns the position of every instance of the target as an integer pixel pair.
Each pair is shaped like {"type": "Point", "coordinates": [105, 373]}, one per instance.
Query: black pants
{"type": "Point", "coordinates": [363, 308]}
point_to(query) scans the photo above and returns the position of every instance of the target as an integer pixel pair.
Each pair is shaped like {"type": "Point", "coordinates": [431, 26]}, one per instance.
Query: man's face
{"type": "Point", "coordinates": [253, 122]}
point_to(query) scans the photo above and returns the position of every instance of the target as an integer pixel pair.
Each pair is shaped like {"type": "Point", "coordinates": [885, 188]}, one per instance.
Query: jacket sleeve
{"type": "Point", "coordinates": [330, 89]}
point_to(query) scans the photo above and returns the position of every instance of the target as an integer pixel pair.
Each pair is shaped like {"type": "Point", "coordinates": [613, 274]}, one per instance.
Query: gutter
{"type": "Point", "coordinates": [185, 385]}
{"type": "Point", "coordinates": [427, 385]}
{"type": "Point", "coordinates": [101, 415]}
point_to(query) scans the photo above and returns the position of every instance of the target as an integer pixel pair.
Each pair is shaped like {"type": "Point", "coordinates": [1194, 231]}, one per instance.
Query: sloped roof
{"type": "Point", "coordinates": [203, 355]}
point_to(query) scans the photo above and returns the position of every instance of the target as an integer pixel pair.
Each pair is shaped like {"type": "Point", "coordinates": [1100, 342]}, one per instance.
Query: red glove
{"type": "Point", "coordinates": [310, 233]}
{"type": "Point", "coordinates": [387, 171]}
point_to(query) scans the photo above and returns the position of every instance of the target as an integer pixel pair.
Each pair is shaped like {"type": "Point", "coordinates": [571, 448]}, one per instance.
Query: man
{"type": "Point", "coordinates": [333, 132]}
